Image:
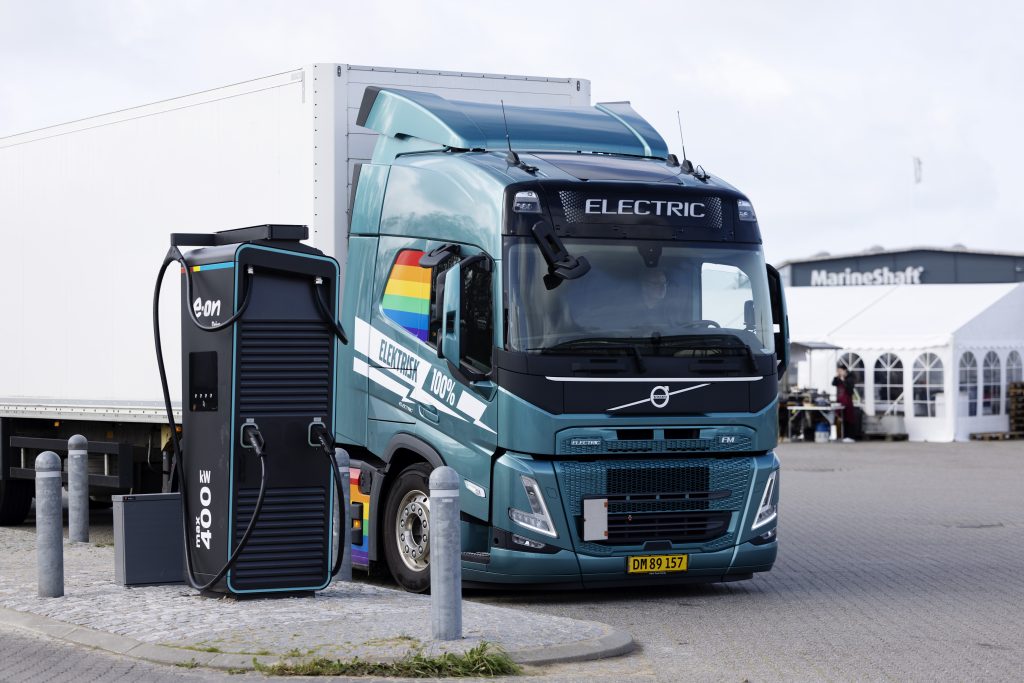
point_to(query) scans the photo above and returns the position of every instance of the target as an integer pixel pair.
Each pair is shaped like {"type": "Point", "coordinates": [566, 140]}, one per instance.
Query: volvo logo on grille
{"type": "Point", "coordinates": [660, 396]}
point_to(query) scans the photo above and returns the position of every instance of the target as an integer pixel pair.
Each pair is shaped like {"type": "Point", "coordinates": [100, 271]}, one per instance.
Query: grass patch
{"type": "Point", "coordinates": [190, 664]}
{"type": "Point", "coordinates": [482, 660]}
{"type": "Point", "coordinates": [396, 640]}
{"type": "Point", "coordinates": [198, 648]}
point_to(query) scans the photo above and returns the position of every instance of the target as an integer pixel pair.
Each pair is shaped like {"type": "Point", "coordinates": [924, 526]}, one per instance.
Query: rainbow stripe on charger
{"type": "Point", "coordinates": [407, 294]}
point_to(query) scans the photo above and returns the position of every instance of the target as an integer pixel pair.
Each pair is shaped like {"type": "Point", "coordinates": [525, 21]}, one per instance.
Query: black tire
{"type": "Point", "coordinates": [405, 502]}
{"type": "Point", "coordinates": [15, 500]}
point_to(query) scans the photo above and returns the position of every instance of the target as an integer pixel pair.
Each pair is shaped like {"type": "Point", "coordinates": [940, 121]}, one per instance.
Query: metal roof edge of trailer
{"type": "Point", "coordinates": [464, 74]}
{"type": "Point", "coordinates": [900, 250]}
{"type": "Point", "coordinates": [611, 128]}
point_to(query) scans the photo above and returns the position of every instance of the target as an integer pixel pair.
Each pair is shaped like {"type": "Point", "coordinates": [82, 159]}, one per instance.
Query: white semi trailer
{"type": "Point", "coordinates": [86, 208]}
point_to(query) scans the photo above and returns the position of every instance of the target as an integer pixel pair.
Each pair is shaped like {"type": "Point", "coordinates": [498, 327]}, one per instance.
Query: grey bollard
{"type": "Point", "coordinates": [78, 489]}
{"type": "Point", "coordinates": [49, 526]}
{"type": "Point", "coordinates": [445, 539]}
{"type": "Point", "coordinates": [345, 538]}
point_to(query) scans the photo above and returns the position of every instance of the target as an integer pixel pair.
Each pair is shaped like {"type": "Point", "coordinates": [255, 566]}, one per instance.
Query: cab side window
{"type": "Point", "coordinates": [411, 295]}
{"type": "Point", "coordinates": [477, 316]}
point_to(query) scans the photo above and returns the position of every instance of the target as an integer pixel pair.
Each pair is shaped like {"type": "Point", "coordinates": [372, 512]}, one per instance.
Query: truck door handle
{"type": "Point", "coordinates": [428, 412]}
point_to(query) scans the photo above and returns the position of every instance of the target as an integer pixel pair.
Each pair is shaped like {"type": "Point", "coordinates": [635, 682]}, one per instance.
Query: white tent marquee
{"type": "Point", "coordinates": [935, 360]}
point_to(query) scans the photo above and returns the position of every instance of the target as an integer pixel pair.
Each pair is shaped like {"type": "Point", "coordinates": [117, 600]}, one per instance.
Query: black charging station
{"type": "Point", "coordinates": [258, 365]}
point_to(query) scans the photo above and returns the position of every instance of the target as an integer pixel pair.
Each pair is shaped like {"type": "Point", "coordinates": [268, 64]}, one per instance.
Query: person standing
{"type": "Point", "coordinates": [844, 385]}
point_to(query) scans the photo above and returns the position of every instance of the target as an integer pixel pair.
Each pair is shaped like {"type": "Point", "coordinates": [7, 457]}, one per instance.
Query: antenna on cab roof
{"type": "Point", "coordinates": [512, 158]}
{"type": "Point", "coordinates": [686, 165]}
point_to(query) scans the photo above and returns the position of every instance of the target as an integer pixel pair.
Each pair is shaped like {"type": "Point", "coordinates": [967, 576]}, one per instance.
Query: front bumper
{"type": "Point", "coordinates": [567, 569]}
{"type": "Point", "coordinates": [568, 561]}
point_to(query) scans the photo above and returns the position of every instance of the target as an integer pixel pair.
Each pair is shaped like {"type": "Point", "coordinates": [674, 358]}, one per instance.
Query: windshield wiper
{"type": "Point", "coordinates": [597, 343]}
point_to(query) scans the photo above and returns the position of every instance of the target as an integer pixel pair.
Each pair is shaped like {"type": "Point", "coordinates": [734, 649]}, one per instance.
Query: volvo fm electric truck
{"type": "Point", "coordinates": [583, 327]}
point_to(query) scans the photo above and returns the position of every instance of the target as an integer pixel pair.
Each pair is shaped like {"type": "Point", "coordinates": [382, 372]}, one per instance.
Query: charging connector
{"type": "Point", "coordinates": [253, 438]}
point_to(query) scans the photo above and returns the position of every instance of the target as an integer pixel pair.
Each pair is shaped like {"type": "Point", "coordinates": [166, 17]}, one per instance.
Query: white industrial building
{"type": "Point", "coordinates": [930, 361]}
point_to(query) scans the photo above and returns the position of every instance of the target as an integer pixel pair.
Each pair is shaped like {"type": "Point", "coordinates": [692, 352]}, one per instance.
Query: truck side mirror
{"type": "Point", "coordinates": [464, 339]}
{"type": "Point", "coordinates": [450, 307]}
{"type": "Point", "coordinates": [749, 321]}
{"type": "Point", "coordinates": [780, 318]}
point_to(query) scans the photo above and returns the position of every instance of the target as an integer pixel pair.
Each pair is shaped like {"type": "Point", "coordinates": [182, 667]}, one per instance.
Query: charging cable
{"type": "Point", "coordinates": [250, 432]}
{"type": "Point", "coordinates": [324, 313]}
{"type": "Point", "coordinates": [327, 442]}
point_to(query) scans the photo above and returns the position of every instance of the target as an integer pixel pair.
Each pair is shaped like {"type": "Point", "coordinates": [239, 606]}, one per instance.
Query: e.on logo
{"type": "Point", "coordinates": [207, 308]}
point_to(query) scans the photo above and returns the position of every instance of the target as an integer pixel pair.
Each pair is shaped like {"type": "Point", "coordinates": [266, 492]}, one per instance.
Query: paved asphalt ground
{"type": "Point", "coordinates": [898, 561]}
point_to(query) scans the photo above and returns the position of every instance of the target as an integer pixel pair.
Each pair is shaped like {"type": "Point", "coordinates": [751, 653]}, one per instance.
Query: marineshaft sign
{"type": "Point", "coordinates": [877, 276]}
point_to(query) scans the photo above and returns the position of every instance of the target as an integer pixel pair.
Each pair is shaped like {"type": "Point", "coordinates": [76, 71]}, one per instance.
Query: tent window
{"type": "Point", "coordinates": [969, 382]}
{"type": "Point", "coordinates": [854, 365]}
{"type": "Point", "coordinates": [1014, 369]}
{"type": "Point", "coordinates": [991, 394]}
{"type": "Point", "coordinates": [889, 384]}
{"type": "Point", "coordinates": [927, 384]}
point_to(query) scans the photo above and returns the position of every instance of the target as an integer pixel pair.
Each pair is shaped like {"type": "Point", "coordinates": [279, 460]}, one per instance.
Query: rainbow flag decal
{"type": "Point", "coordinates": [407, 294]}
{"type": "Point", "coordinates": [361, 552]}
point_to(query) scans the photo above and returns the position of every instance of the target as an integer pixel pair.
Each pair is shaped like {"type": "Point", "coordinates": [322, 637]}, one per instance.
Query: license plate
{"type": "Point", "coordinates": [656, 564]}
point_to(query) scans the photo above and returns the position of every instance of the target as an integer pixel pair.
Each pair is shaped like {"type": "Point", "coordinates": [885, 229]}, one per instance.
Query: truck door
{"type": "Point", "coordinates": [446, 402]}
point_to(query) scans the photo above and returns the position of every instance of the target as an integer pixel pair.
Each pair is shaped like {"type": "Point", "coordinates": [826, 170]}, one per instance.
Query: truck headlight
{"type": "Point", "coordinates": [526, 202]}
{"type": "Point", "coordinates": [537, 519]}
{"type": "Point", "coordinates": [767, 511]}
{"type": "Point", "coordinates": [746, 210]}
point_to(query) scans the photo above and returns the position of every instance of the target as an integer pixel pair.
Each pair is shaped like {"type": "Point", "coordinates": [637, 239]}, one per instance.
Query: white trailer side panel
{"type": "Point", "coordinates": [86, 209]}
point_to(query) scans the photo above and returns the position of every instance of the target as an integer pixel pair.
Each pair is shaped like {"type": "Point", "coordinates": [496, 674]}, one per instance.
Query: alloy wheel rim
{"type": "Point", "coordinates": [412, 530]}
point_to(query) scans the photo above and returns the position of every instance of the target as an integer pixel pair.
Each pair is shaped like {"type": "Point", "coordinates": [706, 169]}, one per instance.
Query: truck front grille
{"type": "Point", "coordinates": [678, 527]}
{"type": "Point", "coordinates": [598, 445]}
{"type": "Point", "coordinates": [288, 546]}
{"type": "Point", "coordinates": [684, 501]}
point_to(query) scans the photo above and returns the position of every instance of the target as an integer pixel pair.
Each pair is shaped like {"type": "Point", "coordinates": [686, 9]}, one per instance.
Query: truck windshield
{"type": "Point", "coordinates": [661, 298]}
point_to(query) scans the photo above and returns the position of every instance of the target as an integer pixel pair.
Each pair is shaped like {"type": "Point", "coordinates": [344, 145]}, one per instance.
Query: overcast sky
{"type": "Point", "coordinates": [814, 109]}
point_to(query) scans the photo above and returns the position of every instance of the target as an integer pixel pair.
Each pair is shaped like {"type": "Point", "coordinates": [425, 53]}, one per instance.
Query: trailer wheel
{"type": "Point", "coordinates": [15, 500]}
{"type": "Point", "coordinates": [407, 528]}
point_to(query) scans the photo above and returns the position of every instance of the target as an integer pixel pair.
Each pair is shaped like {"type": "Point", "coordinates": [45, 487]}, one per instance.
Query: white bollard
{"type": "Point", "coordinates": [78, 489]}
{"type": "Point", "coordinates": [49, 526]}
{"type": "Point", "coordinates": [445, 555]}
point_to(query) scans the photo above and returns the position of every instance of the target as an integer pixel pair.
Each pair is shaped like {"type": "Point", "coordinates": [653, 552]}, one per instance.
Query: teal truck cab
{"type": "Point", "coordinates": [584, 328]}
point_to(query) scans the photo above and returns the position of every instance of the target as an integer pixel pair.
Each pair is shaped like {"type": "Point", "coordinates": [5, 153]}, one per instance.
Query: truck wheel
{"type": "Point", "coordinates": [15, 500]}
{"type": "Point", "coordinates": [407, 528]}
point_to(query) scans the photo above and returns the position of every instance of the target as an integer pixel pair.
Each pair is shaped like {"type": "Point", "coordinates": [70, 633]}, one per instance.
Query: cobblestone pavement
{"type": "Point", "coordinates": [898, 561]}
{"type": "Point", "coordinates": [25, 657]}
{"type": "Point", "coordinates": [30, 658]}
{"type": "Point", "coordinates": [345, 620]}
